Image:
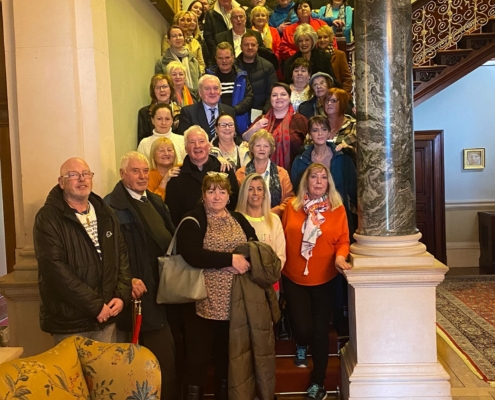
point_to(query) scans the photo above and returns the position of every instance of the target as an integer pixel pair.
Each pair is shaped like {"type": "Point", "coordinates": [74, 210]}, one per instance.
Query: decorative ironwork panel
{"type": "Point", "coordinates": [440, 24]}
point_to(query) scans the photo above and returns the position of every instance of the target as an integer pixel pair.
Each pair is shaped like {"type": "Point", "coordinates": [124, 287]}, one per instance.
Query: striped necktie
{"type": "Point", "coordinates": [212, 123]}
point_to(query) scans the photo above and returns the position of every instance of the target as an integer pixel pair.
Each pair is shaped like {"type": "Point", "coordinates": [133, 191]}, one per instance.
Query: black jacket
{"type": "Point", "coordinates": [184, 191]}
{"type": "Point", "coordinates": [214, 24]}
{"type": "Point", "coordinates": [74, 283]}
{"type": "Point", "coordinates": [195, 115]}
{"type": "Point", "coordinates": [320, 62]}
{"type": "Point", "coordinates": [261, 77]}
{"type": "Point", "coordinates": [190, 240]}
{"type": "Point", "coordinates": [133, 231]}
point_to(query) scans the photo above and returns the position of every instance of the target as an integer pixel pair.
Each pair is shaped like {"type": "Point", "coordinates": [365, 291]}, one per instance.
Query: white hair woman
{"type": "Point", "coordinates": [317, 236]}
{"type": "Point", "coordinates": [185, 96]}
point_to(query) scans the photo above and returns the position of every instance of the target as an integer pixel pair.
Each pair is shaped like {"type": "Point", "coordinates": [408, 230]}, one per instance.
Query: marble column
{"type": "Point", "coordinates": [392, 349]}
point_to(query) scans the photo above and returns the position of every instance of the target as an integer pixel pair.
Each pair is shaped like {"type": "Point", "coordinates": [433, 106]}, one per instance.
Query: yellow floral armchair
{"type": "Point", "coordinates": [83, 369]}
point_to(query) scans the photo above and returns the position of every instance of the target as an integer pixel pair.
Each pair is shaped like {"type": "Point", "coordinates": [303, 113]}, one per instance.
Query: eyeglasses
{"type": "Point", "coordinates": [322, 84]}
{"type": "Point", "coordinates": [225, 125]}
{"type": "Point", "coordinates": [220, 174]}
{"type": "Point", "coordinates": [163, 87]}
{"type": "Point", "coordinates": [75, 176]}
{"type": "Point", "coordinates": [333, 100]}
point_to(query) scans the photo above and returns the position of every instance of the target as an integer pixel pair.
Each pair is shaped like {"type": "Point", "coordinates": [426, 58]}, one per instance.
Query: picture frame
{"type": "Point", "coordinates": [474, 158]}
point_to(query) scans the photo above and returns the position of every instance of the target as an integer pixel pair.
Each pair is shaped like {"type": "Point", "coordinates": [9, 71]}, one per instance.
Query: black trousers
{"type": "Point", "coordinates": [310, 311]}
{"type": "Point", "coordinates": [161, 344]}
{"type": "Point", "coordinates": [199, 339]}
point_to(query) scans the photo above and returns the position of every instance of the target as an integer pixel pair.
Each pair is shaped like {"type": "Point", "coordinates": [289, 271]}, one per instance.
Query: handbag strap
{"type": "Point", "coordinates": [171, 247]}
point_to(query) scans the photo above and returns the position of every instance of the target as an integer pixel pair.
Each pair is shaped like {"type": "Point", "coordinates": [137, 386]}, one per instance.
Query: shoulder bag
{"type": "Point", "coordinates": [179, 282]}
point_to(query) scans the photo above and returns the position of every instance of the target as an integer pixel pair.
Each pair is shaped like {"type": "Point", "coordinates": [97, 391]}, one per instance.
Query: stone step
{"type": "Point", "coordinates": [451, 57]}
{"type": "Point", "coordinates": [476, 41]}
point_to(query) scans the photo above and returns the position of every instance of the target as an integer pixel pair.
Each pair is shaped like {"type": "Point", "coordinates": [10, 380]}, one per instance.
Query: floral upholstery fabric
{"type": "Point", "coordinates": [81, 368]}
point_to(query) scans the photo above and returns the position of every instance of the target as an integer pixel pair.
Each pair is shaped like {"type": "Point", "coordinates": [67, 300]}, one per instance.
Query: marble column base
{"type": "Point", "coordinates": [392, 352]}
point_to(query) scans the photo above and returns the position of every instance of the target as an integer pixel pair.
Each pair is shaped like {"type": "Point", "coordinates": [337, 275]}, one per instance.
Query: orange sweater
{"type": "Point", "coordinates": [154, 181]}
{"type": "Point", "coordinates": [334, 241]}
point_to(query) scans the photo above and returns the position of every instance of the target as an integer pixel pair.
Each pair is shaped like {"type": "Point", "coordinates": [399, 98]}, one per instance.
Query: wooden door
{"type": "Point", "coordinates": [430, 193]}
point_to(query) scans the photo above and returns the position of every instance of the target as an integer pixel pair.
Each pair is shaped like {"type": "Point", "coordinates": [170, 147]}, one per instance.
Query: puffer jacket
{"type": "Point", "coordinates": [262, 78]}
{"type": "Point", "coordinates": [74, 283]}
{"type": "Point", "coordinates": [254, 310]}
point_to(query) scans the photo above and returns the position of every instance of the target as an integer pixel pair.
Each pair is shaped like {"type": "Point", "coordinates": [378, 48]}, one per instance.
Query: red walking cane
{"type": "Point", "coordinates": [136, 320]}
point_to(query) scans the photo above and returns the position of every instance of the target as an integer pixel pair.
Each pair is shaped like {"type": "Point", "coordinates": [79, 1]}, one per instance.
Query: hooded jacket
{"type": "Point", "coordinates": [343, 173]}
{"type": "Point", "coordinates": [141, 266]}
{"type": "Point", "coordinates": [74, 282]}
{"type": "Point", "coordinates": [254, 310]}
{"type": "Point", "coordinates": [242, 97]}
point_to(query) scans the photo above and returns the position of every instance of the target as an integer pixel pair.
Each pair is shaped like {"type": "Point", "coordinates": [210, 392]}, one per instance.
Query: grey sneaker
{"type": "Point", "coordinates": [301, 359]}
{"type": "Point", "coordinates": [316, 391]}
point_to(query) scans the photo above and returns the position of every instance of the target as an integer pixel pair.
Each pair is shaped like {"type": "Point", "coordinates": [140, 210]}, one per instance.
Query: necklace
{"type": "Point", "coordinates": [86, 212]}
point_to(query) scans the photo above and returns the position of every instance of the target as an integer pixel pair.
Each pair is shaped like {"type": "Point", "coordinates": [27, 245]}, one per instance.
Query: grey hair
{"type": "Point", "coordinates": [205, 77]}
{"type": "Point", "coordinates": [195, 129]}
{"type": "Point", "coordinates": [132, 155]}
{"type": "Point", "coordinates": [305, 30]}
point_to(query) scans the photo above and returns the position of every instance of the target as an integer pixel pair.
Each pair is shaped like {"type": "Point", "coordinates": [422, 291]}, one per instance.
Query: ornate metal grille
{"type": "Point", "coordinates": [440, 24]}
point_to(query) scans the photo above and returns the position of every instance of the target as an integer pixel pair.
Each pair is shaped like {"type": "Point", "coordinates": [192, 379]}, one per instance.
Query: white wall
{"type": "Point", "coordinates": [135, 31]}
{"type": "Point", "coordinates": [465, 111]}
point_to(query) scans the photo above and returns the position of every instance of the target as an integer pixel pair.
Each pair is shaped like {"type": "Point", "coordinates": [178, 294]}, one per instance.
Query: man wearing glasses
{"type": "Point", "coordinates": [84, 276]}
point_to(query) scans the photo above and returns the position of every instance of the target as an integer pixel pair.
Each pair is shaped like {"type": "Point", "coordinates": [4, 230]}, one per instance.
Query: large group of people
{"type": "Point", "coordinates": [250, 131]}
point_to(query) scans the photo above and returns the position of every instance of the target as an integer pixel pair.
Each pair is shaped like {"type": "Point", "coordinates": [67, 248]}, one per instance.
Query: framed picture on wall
{"type": "Point", "coordinates": [474, 158]}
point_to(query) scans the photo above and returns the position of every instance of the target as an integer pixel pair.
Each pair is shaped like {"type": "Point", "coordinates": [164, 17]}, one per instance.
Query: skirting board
{"type": "Point", "coordinates": [463, 254]}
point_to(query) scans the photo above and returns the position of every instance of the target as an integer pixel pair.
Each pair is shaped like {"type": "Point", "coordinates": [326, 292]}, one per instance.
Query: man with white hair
{"type": "Point", "coordinates": [205, 112]}
{"type": "Point", "coordinates": [84, 278]}
{"type": "Point", "coordinates": [147, 230]}
{"type": "Point", "coordinates": [184, 191]}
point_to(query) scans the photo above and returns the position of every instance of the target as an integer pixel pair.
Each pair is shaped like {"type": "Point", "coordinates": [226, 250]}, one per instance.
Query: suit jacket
{"type": "Point", "coordinates": [141, 264]}
{"type": "Point", "coordinates": [195, 115]}
{"type": "Point", "coordinates": [228, 36]}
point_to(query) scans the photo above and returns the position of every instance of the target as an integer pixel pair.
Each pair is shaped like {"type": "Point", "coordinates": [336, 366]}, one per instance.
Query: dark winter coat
{"type": "Point", "coordinates": [142, 267]}
{"type": "Point", "coordinates": [184, 191]}
{"type": "Point", "coordinates": [74, 282]}
{"type": "Point", "coordinates": [261, 77]}
{"type": "Point", "coordinates": [320, 62]}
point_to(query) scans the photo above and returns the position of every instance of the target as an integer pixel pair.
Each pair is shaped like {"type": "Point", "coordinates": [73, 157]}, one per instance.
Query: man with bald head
{"type": "Point", "coordinates": [84, 277]}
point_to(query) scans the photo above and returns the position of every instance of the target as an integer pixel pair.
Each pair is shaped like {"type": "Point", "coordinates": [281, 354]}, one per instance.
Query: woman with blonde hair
{"type": "Point", "coordinates": [338, 57]}
{"type": "Point", "coordinates": [317, 236]}
{"type": "Point", "coordinates": [164, 165]}
{"type": "Point", "coordinates": [261, 147]}
{"type": "Point", "coordinates": [254, 204]}
{"type": "Point", "coordinates": [259, 22]}
{"type": "Point", "coordinates": [184, 95]}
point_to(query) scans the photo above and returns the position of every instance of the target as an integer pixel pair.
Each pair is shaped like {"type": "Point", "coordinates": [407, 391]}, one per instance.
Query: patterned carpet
{"type": "Point", "coordinates": [466, 318]}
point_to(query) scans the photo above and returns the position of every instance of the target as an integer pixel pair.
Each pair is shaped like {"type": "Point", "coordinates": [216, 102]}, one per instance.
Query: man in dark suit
{"type": "Point", "coordinates": [234, 36]}
{"type": "Point", "coordinates": [147, 229]}
{"type": "Point", "coordinates": [205, 112]}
